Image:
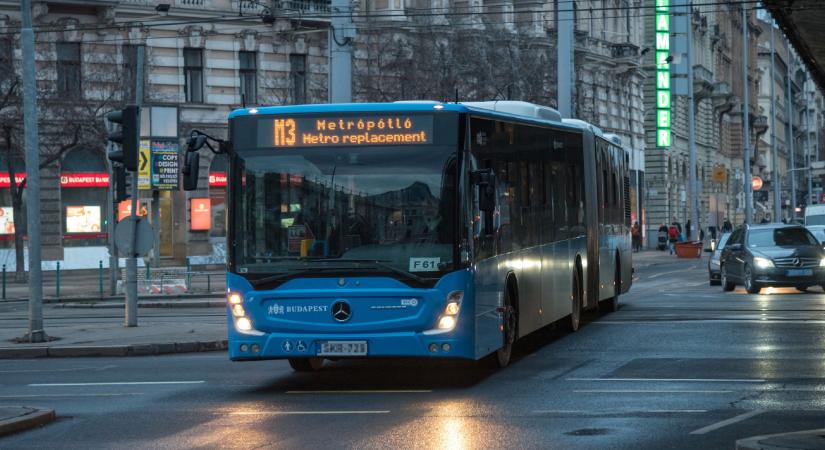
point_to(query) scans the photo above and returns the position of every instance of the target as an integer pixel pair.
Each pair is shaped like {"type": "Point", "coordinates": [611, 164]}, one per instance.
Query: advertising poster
{"type": "Point", "coordinates": [144, 168]}
{"type": "Point", "coordinates": [201, 214]}
{"type": "Point", "coordinates": [6, 220]}
{"type": "Point", "coordinates": [165, 166]}
{"type": "Point", "coordinates": [83, 219]}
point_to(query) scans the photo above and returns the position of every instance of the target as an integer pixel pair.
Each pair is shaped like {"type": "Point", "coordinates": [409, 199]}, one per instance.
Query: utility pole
{"type": "Point", "coordinates": [745, 118]}
{"type": "Point", "coordinates": [341, 35]}
{"type": "Point", "coordinates": [131, 319]}
{"type": "Point", "coordinates": [791, 108]}
{"type": "Point", "coordinates": [808, 158]}
{"type": "Point", "coordinates": [36, 332]}
{"type": "Point", "coordinates": [564, 60]}
{"type": "Point", "coordinates": [777, 194]}
{"type": "Point", "coordinates": [114, 262]}
{"type": "Point", "coordinates": [694, 187]}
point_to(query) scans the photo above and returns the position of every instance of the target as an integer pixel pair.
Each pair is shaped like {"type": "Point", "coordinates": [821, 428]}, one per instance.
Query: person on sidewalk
{"type": "Point", "coordinates": [636, 236]}
{"type": "Point", "coordinates": [672, 237]}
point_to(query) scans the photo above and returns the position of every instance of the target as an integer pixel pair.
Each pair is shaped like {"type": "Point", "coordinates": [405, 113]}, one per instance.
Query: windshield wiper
{"type": "Point", "coordinates": [291, 273]}
{"type": "Point", "coordinates": [382, 264]}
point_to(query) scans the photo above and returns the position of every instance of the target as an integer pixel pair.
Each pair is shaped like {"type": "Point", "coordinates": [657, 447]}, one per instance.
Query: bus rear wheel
{"type": "Point", "coordinates": [576, 299]}
{"type": "Point", "coordinates": [306, 364]}
{"type": "Point", "coordinates": [509, 329]}
{"type": "Point", "coordinates": [612, 304]}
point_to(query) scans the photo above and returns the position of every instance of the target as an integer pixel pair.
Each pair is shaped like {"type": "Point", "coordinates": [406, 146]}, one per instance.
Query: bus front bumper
{"type": "Point", "coordinates": [246, 347]}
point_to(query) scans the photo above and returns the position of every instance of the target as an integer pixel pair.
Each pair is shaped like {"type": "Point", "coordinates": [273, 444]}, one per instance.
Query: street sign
{"type": "Point", "coordinates": [144, 167]}
{"type": "Point", "coordinates": [756, 183]}
{"type": "Point", "coordinates": [165, 166]}
{"type": "Point", "coordinates": [123, 236]}
{"type": "Point", "coordinates": [720, 174]}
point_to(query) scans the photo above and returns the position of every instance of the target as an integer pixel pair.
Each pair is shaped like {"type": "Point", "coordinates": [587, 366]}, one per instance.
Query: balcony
{"type": "Point", "coordinates": [302, 7]}
{"type": "Point", "coordinates": [702, 82]}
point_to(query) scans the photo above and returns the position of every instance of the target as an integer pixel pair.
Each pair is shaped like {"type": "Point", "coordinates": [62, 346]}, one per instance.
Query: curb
{"type": "Point", "coordinates": [800, 440]}
{"type": "Point", "coordinates": [120, 305]}
{"type": "Point", "coordinates": [112, 350]}
{"type": "Point", "coordinates": [30, 419]}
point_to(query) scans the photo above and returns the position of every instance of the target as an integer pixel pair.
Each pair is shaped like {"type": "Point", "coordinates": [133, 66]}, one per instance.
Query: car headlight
{"type": "Point", "coordinates": [762, 263]}
{"type": "Point", "coordinates": [714, 262]}
{"type": "Point", "coordinates": [822, 262]}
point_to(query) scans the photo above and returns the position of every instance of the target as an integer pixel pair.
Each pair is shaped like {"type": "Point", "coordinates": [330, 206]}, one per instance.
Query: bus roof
{"type": "Point", "coordinates": [412, 106]}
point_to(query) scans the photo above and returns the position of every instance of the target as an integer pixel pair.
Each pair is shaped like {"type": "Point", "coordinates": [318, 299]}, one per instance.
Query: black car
{"type": "Point", "coordinates": [772, 255]}
{"type": "Point", "coordinates": [714, 274]}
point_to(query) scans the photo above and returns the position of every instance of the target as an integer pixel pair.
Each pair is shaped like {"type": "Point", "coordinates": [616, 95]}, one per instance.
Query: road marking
{"type": "Point", "coordinates": [727, 422]}
{"type": "Point", "coordinates": [118, 383]}
{"type": "Point", "coordinates": [676, 380]}
{"type": "Point", "coordinates": [73, 369]}
{"type": "Point", "coordinates": [387, 391]}
{"type": "Point", "coordinates": [126, 394]}
{"type": "Point", "coordinates": [695, 321]}
{"type": "Point", "coordinates": [665, 273]}
{"type": "Point", "coordinates": [646, 391]}
{"type": "Point", "coordinates": [603, 412]}
{"type": "Point", "coordinates": [302, 413]}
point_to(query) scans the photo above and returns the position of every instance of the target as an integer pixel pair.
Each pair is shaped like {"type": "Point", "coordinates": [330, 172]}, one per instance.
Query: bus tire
{"type": "Point", "coordinates": [576, 299]}
{"type": "Point", "coordinates": [510, 327]}
{"type": "Point", "coordinates": [306, 364]}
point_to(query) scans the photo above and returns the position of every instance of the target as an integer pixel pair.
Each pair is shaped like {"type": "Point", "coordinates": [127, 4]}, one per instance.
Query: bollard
{"type": "Point", "coordinates": [148, 273]}
{"type": "Point", "coordinates": [57, 283]}
{"type": "Point", "coordinates": [4, 281]}
{"type": "Point", "coordinates": [100, 277]}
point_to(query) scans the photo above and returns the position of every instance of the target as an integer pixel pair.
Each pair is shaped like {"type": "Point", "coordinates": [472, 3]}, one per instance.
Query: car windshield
{"type": "Point", "coordinates": [780, 237]}
{"type": "Point", "coordinates": [818, 219]}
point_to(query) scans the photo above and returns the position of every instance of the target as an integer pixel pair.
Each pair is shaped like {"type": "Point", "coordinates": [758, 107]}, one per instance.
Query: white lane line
{"type": "Point", "coordinates": [603, 412]}
{"type": "Point", "coordinates": [703, 321]}
{"type": "Point", "coordinates": [646, 391]}
{"type": "Point", "coordinates": [118, 383]}
{"type": "Point", "coordinates": [127, 394]}
{"type": "Point", "coordinates": [73, 369]}
{"type": "Point", "coordinates": [676, 380]}
{"type": "Point", "coordinates": [302, 413]}
{"type": "Point", "coordinates": [387, 391]}
{"type": "Point", "coordinates": [727, 422]}
{"type": "Point", "coordinates": [664, 273]}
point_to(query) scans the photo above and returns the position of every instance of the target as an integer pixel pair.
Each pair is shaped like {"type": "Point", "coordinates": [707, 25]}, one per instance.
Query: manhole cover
{"type": "Point", "coordinates": [588, 432]}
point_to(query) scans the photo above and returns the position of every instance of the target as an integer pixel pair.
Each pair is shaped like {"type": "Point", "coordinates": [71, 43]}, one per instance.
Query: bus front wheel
{"type": "Point", "coordinates": [306, 364]}
{"type": "Point", "coordinates": [509, 329]}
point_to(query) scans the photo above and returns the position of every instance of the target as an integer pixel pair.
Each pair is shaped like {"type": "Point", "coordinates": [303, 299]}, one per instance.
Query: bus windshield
{"type": "Point", "coordinates": [376, 208]}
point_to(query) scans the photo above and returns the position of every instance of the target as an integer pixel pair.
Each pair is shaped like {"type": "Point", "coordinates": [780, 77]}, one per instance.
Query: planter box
{"type": "Point", "coordinates": [689, 249]}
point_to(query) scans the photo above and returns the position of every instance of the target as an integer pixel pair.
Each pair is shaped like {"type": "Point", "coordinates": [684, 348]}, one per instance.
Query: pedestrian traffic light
{"type": "Point", "coordinates": [128, 136]}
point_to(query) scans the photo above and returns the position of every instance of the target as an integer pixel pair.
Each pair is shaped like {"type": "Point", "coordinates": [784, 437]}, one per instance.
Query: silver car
{"type": "Point", "coordinates": [714, 272]}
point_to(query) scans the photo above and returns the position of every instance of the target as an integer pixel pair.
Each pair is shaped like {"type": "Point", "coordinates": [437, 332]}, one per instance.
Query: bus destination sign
{"type": "Point", "coordinates": [351, 130]}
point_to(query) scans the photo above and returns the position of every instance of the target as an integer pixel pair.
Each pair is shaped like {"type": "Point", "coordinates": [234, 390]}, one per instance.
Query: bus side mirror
{"type": "Point", "coordinates": [486, 181]}
{"type": "Point", "coordinates": [191, 167]}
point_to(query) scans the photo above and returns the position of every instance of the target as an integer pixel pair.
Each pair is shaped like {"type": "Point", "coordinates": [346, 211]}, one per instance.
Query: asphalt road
{"type": "Point", "coordinates": [681, 365]}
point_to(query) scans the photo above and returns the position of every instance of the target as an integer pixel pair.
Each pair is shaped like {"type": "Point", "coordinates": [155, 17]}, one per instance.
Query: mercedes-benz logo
{"type": "Point", "coordinates": [341, 311]}
{"type": "Point", "coordinates": [797, 262]}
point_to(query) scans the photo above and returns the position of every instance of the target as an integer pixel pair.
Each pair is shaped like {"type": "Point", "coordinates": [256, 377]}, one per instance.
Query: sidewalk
{"type": "Point", "coordinates": [97, 330]}
{"type": "Point", "coordinates": [647, 258]}
{"type": "Point", "coordinates": [800, 440]}
{"type": "Point", "coordinates": [19, 418]}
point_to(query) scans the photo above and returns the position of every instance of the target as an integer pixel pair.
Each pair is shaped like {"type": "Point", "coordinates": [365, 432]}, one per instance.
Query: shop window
{"type": "Point", "coordinates": [6, 213]}
{"type": "Point", "coordinates": [84, 182]}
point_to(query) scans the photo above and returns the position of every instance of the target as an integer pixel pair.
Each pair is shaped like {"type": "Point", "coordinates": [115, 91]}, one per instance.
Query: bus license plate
{"type": "Point", "coordinates": [343, 348]}
{"type": "Point", "coordinates": [800, 272]}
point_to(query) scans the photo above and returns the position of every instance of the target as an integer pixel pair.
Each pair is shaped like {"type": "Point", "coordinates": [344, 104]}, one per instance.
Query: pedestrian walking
{"type": "Point", "coordinates": [672, 237]}
{"type": "Point", "coordinates": [636, 236]}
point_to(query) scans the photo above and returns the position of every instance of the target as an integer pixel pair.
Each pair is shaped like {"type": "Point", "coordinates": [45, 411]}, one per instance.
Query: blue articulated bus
{"type": "Point", "coordinates": [417, 229]}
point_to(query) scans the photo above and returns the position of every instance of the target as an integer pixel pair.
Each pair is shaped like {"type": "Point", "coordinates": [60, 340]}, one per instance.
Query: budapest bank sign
{"type": "Point", "coordinates": [67, 180]}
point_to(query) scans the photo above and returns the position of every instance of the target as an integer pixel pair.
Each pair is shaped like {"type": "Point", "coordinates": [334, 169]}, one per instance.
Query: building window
{"type": "Point", "coordinates": [249, 77]}
{"type": "Point", "coordinates": [193, 73]}
{"type": "Point", "coordinates": [68, 69]}
{"type": "Point", "coordinates": [128, 69]}
{"type": "Point", "coordinates": [298, 78]}
{"type": "Point", "coordinates": [6, 61]}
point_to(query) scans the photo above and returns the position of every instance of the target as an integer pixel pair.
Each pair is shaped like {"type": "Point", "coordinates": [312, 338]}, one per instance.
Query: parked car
{"type": "Point", "coordinates": [714, 274]}
{"type": "Point", "coordinates": [772, 255]}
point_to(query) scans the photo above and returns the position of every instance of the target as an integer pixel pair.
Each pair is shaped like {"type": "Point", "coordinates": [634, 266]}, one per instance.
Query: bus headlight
{"type": "Point", "coordinates": [763, 263]}
{"type": "Point", "coordinates": [822, 262]}
{"type": "Point", "coordinates": [234, 298]}
{"type": "Point", "coordinates": [451, 309]}
{"type": "Point", "coordinates": [238, 311]}
{"type": "Point", "coordinates": [446, 323]}
{"type": "Point", "coordinates": [243, 324]}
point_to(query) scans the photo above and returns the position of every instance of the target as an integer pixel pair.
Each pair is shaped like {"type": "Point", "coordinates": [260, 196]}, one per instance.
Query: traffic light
{"type": "Point", "coordinates": [128, 136]}
{"type": "Point", "coordinates": [121, 184]}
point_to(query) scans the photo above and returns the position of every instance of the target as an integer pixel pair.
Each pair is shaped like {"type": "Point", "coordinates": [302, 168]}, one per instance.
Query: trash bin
{"type": "Point", "coordinates": [692, 249]}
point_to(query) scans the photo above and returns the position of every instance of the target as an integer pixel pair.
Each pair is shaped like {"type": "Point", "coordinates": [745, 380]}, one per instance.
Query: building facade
{"type": "Point", "coordinates": [204, 58]}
